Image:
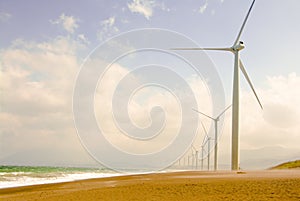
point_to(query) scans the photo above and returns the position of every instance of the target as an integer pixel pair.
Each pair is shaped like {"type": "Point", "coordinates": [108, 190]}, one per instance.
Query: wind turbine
{"type": "Point", "coordinates": [202, 151]}
{"type": "Point", "coordinates": [235, 49]}
{"type": "Point", "coordinates": [207, 140]}
{"type": "Point", "coordinates": [194, 156]}
{"type": "Point", "coordinates": [216, 119]}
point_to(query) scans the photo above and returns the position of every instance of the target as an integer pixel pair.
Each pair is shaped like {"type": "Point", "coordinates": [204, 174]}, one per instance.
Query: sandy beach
{"type": "Point", "coordinates": [189, 185]}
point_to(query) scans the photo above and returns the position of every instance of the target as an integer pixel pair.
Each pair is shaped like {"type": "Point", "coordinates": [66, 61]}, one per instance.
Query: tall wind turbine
{"type": "Point", "coordinates": [235, 49]}
{"type": "Point", "coordinates": [216, 120]}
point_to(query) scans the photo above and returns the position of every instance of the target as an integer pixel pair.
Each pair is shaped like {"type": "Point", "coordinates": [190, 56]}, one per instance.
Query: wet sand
{"type": "Point", "coordinates": [250, 185]}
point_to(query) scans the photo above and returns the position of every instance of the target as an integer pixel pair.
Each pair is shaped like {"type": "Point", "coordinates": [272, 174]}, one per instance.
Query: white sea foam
{"type": "Point", "coordinates": [15, 179]}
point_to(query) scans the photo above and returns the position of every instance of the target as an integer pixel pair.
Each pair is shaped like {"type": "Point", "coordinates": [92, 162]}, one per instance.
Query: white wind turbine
{"type": "Point", "coordinates": [194, 156]}
{"type": "Point", "coordinates": [216, 120]}
{"type": "Point", "coordinates": [206, 140]}
{"type": "Point", "coordinates": [235, 49]}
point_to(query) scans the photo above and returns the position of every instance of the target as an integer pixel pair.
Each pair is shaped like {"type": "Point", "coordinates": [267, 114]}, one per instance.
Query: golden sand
{"type": "Point", "coordinates": [258, 185]}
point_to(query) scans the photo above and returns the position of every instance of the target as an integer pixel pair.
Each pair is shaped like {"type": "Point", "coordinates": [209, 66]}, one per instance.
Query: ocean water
{"type": "Point", "coordinates": [13, 176]}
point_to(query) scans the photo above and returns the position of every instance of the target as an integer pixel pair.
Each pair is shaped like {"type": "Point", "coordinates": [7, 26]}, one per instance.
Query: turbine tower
{"type": "Point", "coordinates": [235, 49]}
{"type": "Point", "coordinates": [216, 120]}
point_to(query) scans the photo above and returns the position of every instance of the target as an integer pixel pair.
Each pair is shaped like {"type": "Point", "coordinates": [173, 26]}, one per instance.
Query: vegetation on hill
{"type": "Point", "coordinates": [288, 165]}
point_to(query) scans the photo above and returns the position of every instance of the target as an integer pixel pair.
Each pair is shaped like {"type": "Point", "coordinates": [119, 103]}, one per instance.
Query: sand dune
{"type": "Point", "coordinates": [256, 185]}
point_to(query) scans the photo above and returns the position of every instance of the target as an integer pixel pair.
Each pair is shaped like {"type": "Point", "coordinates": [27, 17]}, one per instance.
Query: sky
{"type": "Point", "coordinates": [44, 45]}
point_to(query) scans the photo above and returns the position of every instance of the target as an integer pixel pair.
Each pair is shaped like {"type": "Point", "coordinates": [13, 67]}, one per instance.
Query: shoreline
{"type": "Point", "coordinates": [187, 185]}
{"type": "Point", "coordinates": [57, 180]}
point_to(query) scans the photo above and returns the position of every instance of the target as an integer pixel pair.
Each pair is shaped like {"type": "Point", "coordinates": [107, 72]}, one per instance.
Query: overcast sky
{"type": "Point", "coordinates": [43, 45]}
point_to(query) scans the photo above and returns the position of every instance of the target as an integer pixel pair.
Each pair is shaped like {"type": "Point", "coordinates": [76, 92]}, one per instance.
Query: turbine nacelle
{"type": "Point", "coordinates": [238, 46]}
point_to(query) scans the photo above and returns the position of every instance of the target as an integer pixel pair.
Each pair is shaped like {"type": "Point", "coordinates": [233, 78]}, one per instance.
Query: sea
{"type": "Point", "coordinates": [13, 176]}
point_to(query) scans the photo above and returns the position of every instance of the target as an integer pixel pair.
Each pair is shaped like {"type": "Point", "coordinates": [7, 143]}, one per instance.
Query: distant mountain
{"type": "Point", "coordinates": [288, 165]}
{"type": "Point", "coordinates": [266, 157]}
{"type": "Point", "coordinates": [258, 159]}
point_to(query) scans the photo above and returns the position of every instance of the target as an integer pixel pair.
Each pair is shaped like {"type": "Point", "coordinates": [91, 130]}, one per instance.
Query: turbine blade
{"type": "Point", "coordinates": [198, 48]}
{"type": "Point", "coordinates": [243, 25]}
{"type": "Point", "coordinates": [205, 140]}
{"type": "Point", "coordinates": [206, 135]}
{"type": "Point", "coordinates": [193, 148]}
{"type": "Point", "coordinates": [203, 114]}
{"type": "Point", "coordinates": [249, 82]}
{"type": "Point", "coordinates": [223, 111]}
{"type": "Point", "coordinates": [204, 128]}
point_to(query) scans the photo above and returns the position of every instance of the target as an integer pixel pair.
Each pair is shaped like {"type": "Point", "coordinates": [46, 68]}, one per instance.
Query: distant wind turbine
{"type": "Point", "coordinates": [235, 49]}
{"type": "Point", "coordinates": [207, 140]}
{"type": "Point", "coordinates": [194, 157]}
{"type": "Point", "coordinates": [216, 119]}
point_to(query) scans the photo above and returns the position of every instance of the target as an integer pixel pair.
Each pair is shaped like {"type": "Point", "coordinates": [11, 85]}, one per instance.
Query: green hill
{"type": "Point", "coordinates": [288, 165]}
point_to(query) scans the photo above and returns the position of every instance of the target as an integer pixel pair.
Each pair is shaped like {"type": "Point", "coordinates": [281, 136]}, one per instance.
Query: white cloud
{"type": "Point", "coordinates": [108, 22]}
{"type": "Point", "coordinates": [139, 112]}
{"type": "Point", "coordinates": [269, 136]}
{"type": "Point", "coordinates": [163, 6]}
{"type": "Point", "coordinates": [203, 8]}
{"type": "Point", "coordinates": [69, 23]}
{"type": "Point", "coordinates": [280, 101]}
{"type": "Point", "coordinates": [36, 87]}
{"type": "Point", "coordinates": [108, 28]}
{"type": "Point", "coordinates": [276, 128]}
{"type": "Point", "coordinates": [37, 84]}
{"type": "Point", "coordinates": [143, 7]}
{"type": "Point", "coordinates": [4, 16]}
{"type": "Point", "coordinates": [146, 7]}
{"type": "Point", "coordinates": [83, 39]}
{"type": "Point", "coordinates": [36, 115]}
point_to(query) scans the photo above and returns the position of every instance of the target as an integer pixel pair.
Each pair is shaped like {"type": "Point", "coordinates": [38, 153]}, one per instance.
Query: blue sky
{"type": "Point", "coordinates": [35, 32]}
{"type": "Point", "coordinates": [216, 24]}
